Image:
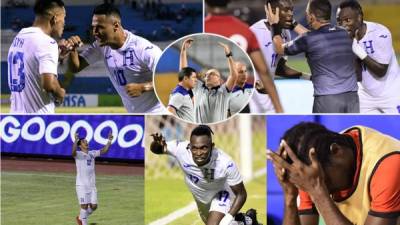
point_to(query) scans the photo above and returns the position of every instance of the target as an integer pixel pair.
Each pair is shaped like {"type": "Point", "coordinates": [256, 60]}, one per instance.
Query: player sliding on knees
{"type": "Point", "coordinates": [86, 177]}
{"type": "Point", "coordinates": [211, 176]}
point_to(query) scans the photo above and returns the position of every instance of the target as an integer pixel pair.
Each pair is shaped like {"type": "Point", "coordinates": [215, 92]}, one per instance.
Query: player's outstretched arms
{"type": "Point", "coordinates": [51, 85]}
{"type": "Point", "coordinates": [75, 145]}
{"type": "Point", "coordinates": [230, 83]}
{"type": "Point", "coordinates": [105, 149]}
{"type": "Point", "coordinates": [158, 145]}
{"type": "Point", "coordinates": [76, 63]}
{"type": "Point", "coordinates": [241, 195]}
{"type": "Point", "coordinates": [183, 55]}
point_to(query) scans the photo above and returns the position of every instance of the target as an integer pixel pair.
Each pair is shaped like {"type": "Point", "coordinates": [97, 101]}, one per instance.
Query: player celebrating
{"type": "Point", "coordinates": [345, 177]}
{"type": "Point", "coordinates": [130, 59]}
{"type": "Point", "coordinates": [379, 89]}
{"type": "Point", "coordinates": [210, 174]}
{"type": "Point", "coordinates": [33, 59]}
{"type": "Point", "coordinates": [276, 63]}
{"type": "Point", "coordinates": [86, 177]}
{"type": "Point", "coordinates": [329, 55]}
{"type": "Point", "coordinates": [211, 97]}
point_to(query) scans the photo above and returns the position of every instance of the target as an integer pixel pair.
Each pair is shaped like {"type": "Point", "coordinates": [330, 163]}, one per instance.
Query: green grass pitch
{"type": "Point", "coordinates": [38, 198]}
{"type": "Point", "coordinates": [180, 197]}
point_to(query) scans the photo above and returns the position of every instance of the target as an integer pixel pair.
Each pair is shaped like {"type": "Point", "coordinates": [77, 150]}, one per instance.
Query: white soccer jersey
{"type": "Point", "coordinates": [261, 103]}
{"type": "Point", "coordinates": [206, 181]}
{"type": "Point", "coordinates": [85, 173]}
{"type": "Point", "coordinates": [31, 54]}
{"type": "Point", "coordinates": [379, 93]}
{"type": "Point", "coordinates": [132, 63]}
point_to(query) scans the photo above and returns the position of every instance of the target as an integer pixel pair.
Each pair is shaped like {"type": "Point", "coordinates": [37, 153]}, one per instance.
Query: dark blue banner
{"type": "Point", "coordinates": [53, 135]}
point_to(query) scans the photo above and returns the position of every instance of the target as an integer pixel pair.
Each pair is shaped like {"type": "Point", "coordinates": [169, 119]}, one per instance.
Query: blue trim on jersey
{"type": "Point", "coordinates": [182, 90]}
{"type": "Point", "coordinates": [246, 86]}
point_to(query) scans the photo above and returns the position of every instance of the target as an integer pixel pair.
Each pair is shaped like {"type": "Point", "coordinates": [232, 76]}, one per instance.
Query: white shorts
{"type": "Point", "coordinates": [220, 203]}
{"type": "Point", "coordinates": [86, 195]}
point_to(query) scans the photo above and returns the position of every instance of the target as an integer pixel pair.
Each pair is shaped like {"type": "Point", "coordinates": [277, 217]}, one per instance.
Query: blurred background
{"type": "Point", "coordinates": [159, 21]}
{"type": "Point", "coordinates": [205, 53]}
{"type": "Point", "coordinates": [277, 125]}
{"type": "Point", "coordinates": [167, 199]}
{"type": "Point", "coordinates": [300, 97]}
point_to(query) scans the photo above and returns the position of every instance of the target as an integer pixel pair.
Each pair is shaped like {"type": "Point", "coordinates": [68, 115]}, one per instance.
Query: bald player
{"type": "Point", "coordinates": [130, 59]}
{"type": "Point", "coordinates": [33, 60]}
{"type": "Point", "coordinates": [211, 95]}
{"type": "Point", "coordinates": [242, 91]}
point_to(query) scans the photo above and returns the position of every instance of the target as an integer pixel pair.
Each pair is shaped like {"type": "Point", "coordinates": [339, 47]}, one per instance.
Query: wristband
{"type": "Point", "coordinates": [276, 29]}
{"type": "Point", "coordinates": [229, 55]}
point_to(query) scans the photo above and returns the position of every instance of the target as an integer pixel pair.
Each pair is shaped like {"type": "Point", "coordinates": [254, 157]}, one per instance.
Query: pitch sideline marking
{"type": "Point", "coordinates": [192, 206]}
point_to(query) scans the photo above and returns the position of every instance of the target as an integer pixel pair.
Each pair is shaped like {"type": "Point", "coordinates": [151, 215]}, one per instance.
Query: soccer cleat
{"type": "Point", "coordinates": [78, 221]}
{"type": "Point", "coordinates": [252, 213]}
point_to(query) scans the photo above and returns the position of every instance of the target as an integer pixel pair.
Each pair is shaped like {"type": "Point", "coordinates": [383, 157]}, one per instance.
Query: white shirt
{"type": "Point", "coordinates": [261, 103]}
{"type": "Point", "coordinates": [85, 173]}
{"type": "Point", "coordinates": [377, 42]}
{"type": "Point", "coordinates": [31, 54]}
{"type": "Point", "coordinates": [206, 181]}
{"type": "Point", "coordinates": [132, 63]}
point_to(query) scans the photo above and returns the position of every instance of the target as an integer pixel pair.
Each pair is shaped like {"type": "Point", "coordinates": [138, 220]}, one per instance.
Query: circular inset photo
{"type": "Point", "coordinates": [204, 78]}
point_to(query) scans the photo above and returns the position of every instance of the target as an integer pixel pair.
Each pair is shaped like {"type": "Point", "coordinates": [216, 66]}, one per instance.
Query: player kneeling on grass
{"type": "Point", "coordinates": [211, 176]}
{"type": "Point", "coordinates": [86, 177]}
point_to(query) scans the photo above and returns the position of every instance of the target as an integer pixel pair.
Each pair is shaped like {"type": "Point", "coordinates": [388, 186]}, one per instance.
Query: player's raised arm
{"type": "Point", "coordinates": [105, 149]}
{"type": "Point", "coordinates": [75, 145]}
{"type": "Point", "coordinates": [183, 62]}
{"type": "Point", "coordinates": [50, 84]}
{"type": "Point", "coordinates": [158, 145]}
{"type": "Point", "coordinates": [76, 62]}
{"type": "Point", "coordinates": [273, 20]}
{"type": "Point", "coordinates": [230, 83]}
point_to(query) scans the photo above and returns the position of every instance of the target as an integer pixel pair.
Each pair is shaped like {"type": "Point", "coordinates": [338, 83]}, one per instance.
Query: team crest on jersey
{"type": "Point", "coordinates": [208, 174]}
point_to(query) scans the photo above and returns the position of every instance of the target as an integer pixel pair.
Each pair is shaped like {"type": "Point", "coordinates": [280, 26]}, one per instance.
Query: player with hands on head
{"type": "Point", "coordinates": [85, 176]}
{"type": "Point", "coordinates": [130, 59]}
{"type": "Point", "coordinates": [210, 174]}
{"type": "Point", "coordinates": [345, 177]}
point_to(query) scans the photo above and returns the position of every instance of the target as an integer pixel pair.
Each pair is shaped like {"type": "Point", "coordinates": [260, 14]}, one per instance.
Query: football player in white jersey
{"type": "Point", "coordinates": [210, 174]}
{"type": "Point", "coordinates": [86, 177]}
{"type": "Point", "coordinates": [380, 84]}
{"type": "Point", "coordinates": [260, 102]}
{"type": "Point", "coordinates": [130, 59]}
{"type": "Point", "coordinates": [33, 60]}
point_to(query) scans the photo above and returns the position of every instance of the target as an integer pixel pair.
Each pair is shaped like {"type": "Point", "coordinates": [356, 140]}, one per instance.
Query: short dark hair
{"type": "Point", "coordinates": [295, 135]}
{"type": "Point", "coordinates": [41, 7]}
{"type": "Point", "coordinates": [107, 9]}
{"type": "Point", "coordinates": [185, 72]}
{"type": "Point", "coordinates": [202, 130]}
{"type": "Point", "coordinates": [321, 9]}
{"type": "Point", "coordinates": [80, 141]}
{"type": "Point", "coordinates": [218, 3]}
{"type": "Point", "coordinates": [321, 141]}
{"type": "Point", "coordinates": [354, 5]}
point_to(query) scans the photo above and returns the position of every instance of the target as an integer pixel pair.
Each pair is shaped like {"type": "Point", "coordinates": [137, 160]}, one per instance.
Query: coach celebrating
{"type": "Point", "coordinates": [329, 55]}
